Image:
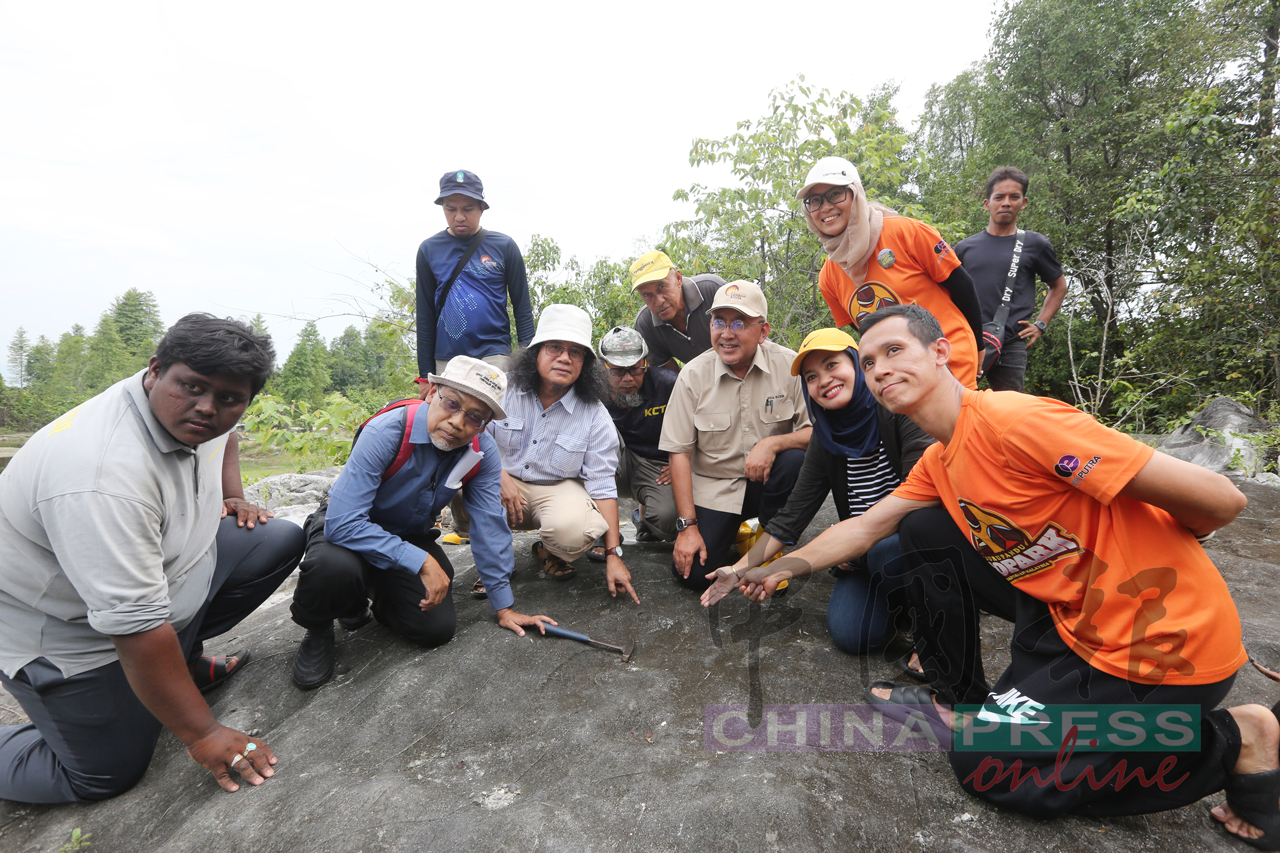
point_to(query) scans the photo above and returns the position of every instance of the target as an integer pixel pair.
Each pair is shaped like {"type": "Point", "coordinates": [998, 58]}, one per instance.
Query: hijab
{"type": "Point", "coordinates": [851, 249]}
{"type": "Point", "coordinates": [851, 431]}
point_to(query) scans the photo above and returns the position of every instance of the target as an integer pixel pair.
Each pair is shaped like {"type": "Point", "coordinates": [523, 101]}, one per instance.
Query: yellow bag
{"type": "Point", "coordinates": [749, 532]}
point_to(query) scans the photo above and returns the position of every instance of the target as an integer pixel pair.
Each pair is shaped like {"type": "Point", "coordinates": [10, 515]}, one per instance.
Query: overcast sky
{"type": "Point", "coordinates": [259, 157]}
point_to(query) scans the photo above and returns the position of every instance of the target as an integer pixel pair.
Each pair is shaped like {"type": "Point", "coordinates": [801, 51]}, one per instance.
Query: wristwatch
{"type": "Point", "coordinates": [616, 550]}
{"type": "Point", "coordinates": [682, 523]}
{"type": "Point", "coordinates": [1041, 325]}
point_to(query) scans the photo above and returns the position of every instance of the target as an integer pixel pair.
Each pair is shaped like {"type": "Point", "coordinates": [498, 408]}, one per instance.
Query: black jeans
{"type": "Point", "coordinates": [334, 582]}
{"type": "Point", "coordinates": [947, 583]}
{"type": "Point", "coordinates": [720, 529]}
{"type": "Point", "coordinates": [90, 737]}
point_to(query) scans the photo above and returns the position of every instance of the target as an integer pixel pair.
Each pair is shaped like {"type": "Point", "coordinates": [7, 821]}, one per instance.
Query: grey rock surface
{"type": "Point", "coordinates": [1217, 438]}
{"type": "Point", "coordinates": [494, 742]}
{"type": "Point", "coordinates": [293, 496]}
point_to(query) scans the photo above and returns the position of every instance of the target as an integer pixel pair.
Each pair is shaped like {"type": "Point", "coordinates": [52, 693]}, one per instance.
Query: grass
{"type": "Point", "coordinates": [254, 466]}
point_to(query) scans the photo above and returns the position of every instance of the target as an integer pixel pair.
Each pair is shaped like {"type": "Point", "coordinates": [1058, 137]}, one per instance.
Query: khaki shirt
{"type": "Point", "coordinates": [717, 418]}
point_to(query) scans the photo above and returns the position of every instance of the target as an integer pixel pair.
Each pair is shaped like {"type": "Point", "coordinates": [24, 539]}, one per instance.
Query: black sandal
{"type": "Point", "coordinates": [208, 672]}
{"type": "Point", "coordinates": [1255, 799]}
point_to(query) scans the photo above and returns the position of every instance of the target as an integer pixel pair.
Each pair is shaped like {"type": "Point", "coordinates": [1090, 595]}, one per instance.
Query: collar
{"type": "Point", "coordinates": [137, 397]}
{"type": "Point", "coordinates": [758, 361]}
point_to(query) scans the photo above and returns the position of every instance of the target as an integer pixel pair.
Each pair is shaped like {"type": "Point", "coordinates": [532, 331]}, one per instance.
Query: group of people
{"type": "Point", "coordinates": [114, 564]}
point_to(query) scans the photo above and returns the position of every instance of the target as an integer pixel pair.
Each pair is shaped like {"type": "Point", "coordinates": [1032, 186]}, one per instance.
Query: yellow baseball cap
{"type": "Point", "coordinates": [823, 340]}
{"type": "Point", "coordinates": [651, 266]}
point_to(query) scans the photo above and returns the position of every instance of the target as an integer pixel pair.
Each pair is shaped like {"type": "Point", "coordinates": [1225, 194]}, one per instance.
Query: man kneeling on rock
{"type": "Point", "coordinates": [125, 541]}
{"type": "Point", "coordinates": [1086, 540]}
{"type": "Point", "coordinates": [374, 538]}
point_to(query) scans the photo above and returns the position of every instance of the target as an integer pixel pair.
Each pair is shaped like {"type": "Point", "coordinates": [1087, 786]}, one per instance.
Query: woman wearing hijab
{"type": "Point", "coordinates": [876, 258]}
{"type": "Point", "coordinates": [859, 453]}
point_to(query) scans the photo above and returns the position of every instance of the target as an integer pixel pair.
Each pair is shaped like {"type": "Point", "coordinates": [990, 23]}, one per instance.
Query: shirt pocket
{"type": "Point", "coordinates": [715, 438]}
{"type": "Point", "coordinates": [566, 456]}
{"type": "Point", "coordinates": [509, 436]}
{"type": "Point", "coordinates": [781, 412]}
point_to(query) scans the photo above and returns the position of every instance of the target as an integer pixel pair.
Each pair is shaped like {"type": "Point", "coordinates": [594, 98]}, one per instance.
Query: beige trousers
{"type": "Point", "coordinates": [564, 515]}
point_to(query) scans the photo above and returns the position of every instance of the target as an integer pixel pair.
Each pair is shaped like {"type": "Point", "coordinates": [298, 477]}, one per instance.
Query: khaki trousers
{"type": "Point", "coordinates": [564, 515]}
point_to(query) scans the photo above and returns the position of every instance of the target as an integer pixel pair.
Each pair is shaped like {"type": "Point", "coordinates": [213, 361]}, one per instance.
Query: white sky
{"type": "Point", "coordinates": [247, 157]}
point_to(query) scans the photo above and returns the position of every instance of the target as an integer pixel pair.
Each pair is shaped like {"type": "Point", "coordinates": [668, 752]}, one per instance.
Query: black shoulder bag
{"type": "Point", "coordinates": [993, 332]}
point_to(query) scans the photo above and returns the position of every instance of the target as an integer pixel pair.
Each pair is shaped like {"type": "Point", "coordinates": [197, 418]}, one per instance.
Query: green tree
{"type": "Point", "coordinates": [305, 376]}
{"type": "Point", "coordinates": [137, 319]}
{"type": "Point", "coordinates": [108, 360]}
{"type": "Point", "coordinates": [602, 289]}
{"type": "Point", "coordinates": [349, 366]}
{"type": "Point", "coordinates": [755, 230]}
{"type": "Point", "coordinates": [40, 361]}
{"type": "Point", "coordinates": [19, 351]}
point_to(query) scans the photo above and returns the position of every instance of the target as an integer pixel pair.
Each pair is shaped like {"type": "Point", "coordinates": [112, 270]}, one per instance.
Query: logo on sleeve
{"type": "Point", "coordinates": [1009, 549]}
{"type": "Point", "coordinates": [1066, 466]}
{"type": "Point", "coordinates": [941, 249]}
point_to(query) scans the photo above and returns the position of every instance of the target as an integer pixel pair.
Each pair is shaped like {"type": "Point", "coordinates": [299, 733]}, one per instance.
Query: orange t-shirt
{"type": "Point", "coordinates": [1036, 484]}
{"type": "Point", "coordinates": [920, 261]}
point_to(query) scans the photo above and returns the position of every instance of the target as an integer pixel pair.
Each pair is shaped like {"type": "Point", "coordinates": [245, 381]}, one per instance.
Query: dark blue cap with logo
{"type": "Point", "coordinates": [462, 182]}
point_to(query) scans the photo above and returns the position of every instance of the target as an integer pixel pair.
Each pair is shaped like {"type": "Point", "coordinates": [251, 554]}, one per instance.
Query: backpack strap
{"type": "Point", "coordinates": [406, 446]}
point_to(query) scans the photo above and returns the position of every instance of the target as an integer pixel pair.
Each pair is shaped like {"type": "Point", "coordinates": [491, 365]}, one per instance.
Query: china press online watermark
{"type": "Point", "coordinates": [986, 729]}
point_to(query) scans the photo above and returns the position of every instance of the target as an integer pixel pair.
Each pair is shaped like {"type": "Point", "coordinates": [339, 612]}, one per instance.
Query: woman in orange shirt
{"type": "Point", "coordinates": [876, 258]}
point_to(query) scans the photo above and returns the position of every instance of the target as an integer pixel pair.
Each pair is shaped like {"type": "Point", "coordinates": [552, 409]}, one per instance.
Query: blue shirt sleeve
{"type": "Point", "coordinates": [518, 292]}
{"type": "Point", "coordinates": [490, 535]}
{"type": "Point", "coordinates": [600, 462]}
{"type": "Point", "coordinates": [347, 521]}
{"type": "Point", "coordinates": [426, 314]}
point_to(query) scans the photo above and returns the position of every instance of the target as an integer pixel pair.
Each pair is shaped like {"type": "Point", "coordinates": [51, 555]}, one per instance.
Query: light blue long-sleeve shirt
{"type": "Point", "coordinates": [371, 517]}
{"type": "Point", "coordinates": [571, 440]}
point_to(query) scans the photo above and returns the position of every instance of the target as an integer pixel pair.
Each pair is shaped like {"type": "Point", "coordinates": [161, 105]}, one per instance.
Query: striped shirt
{"type": "Point", "coordinates": [570, 440]}
{"type": "Point", "coordinates": [870, 479]}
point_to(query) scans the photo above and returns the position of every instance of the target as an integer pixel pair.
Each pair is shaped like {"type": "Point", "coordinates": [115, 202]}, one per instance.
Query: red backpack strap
{"type": "Point", "coordinates": [406, 446]}
{"type": "Point", "coordinates": [475, 445]}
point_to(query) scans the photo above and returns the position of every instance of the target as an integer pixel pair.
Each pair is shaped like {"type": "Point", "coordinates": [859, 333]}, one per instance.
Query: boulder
{"type": "Point", "coordinates": [293, 496]}
{"type": "Point", "coordinates": [1218, 438]}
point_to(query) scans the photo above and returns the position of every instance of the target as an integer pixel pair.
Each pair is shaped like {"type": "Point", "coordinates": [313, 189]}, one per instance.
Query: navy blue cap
{"type": "Point", "coordinates": [462, 182]}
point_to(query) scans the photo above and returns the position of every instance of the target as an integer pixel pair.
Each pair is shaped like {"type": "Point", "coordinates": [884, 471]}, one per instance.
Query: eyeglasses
{"type": "Point", "coordinates": [619, 372]}
{"type": "Point", "coordinates": [453, 406]}
{"type": "Point", "coordinates": [555, 350]}
{"type": "Point", "coordinates": [835, 195]}
{"type": "Point", "coordinates": [736, 326]}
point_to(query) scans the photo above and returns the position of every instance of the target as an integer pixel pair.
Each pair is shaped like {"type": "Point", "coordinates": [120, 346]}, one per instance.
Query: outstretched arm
{"type": "Point", "coordinates": [846, 541]}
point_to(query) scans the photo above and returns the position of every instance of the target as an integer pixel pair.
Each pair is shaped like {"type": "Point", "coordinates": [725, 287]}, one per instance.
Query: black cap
{"type": "Point", "coordinates": [462, 182]}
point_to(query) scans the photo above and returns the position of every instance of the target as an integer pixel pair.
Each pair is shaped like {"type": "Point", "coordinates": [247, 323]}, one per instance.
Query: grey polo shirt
{"type": "Point", "coordinates": [666, 341]}
{"type": "Point", "coordinates": [107, 527]}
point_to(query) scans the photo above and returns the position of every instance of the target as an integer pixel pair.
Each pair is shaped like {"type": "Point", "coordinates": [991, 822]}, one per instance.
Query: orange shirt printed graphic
{"type": "Point", "coordinates": [921, 259]}
{"type": "Point", "coordinates": [1036, 484]}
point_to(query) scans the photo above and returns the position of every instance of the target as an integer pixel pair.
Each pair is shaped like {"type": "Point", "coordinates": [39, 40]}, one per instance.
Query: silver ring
{"type": "Point", "coordinates": [250, 747]}
{"type": "Point", "coordinates": [238, 758]}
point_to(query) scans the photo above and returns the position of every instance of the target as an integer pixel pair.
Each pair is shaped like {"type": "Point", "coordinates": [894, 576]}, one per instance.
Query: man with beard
{"type": "Point", "coordinates": [637, 402]}
{"type": "Point", "coordinates": [373, 538]}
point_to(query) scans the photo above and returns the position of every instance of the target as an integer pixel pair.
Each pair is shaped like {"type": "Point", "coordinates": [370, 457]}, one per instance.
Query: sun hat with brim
{"type": "Point", "coordinates": [564, 323]}
{"type": "Point", "coordinates": [475, 377]}
{"type": "Point", "coordinates": [623, 347]}
{"type": "Point", "coordinates": [462, 182]}
{"type": "Point", "coordinates": [745, 297]}
{"type": "Point", "coordinates": [823, 340]}
{"type": "Point", "coordinates": [836, 171]}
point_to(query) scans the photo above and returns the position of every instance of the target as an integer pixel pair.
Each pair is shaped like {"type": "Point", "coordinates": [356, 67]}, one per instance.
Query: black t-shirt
{"type": "Point", "coordinates": [641, 427]}
{"type": "Point", "coordinates": [986, 258]}
{"type": "Point", "coordinates": [664, 341]}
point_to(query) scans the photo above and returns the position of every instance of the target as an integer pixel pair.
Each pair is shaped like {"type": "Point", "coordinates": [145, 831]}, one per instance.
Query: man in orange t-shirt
{"type": "Point", "coordinates": [1087, 541]}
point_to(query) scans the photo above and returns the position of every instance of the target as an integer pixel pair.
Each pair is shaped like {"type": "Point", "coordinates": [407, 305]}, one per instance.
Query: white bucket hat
{"type": "Point", "coordinates": [564, 323]}
{"type": "Point", "coordinates": [475, 377]}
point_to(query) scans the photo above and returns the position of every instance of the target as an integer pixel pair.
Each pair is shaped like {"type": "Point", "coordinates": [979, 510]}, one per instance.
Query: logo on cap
{"type": "Point", "coordinates": [461, 176]}
{"type": "Point", "coordinates": [734, 292]}
{"type": "Point", "coordinates": [490, 379]}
